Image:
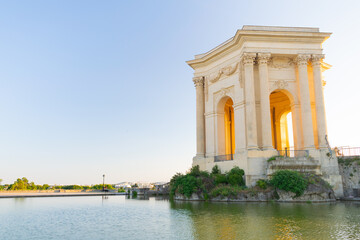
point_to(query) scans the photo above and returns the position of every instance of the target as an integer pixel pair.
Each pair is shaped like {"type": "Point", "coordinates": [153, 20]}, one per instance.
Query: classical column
{"type": "Point", "coordinates": [307, 125]}
{"type": "Point", "coordinates": [248, 61]}
{"type": "Point", "coordinates": [319, 99]}
{"type": "Point", "coordinates": [200, 118]}
{"type": "Point", "coordinates": [263, 59]}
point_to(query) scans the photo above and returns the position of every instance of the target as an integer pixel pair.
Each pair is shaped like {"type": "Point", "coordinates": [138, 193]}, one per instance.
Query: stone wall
{"type": "Point", "coordinates": [350, 172]}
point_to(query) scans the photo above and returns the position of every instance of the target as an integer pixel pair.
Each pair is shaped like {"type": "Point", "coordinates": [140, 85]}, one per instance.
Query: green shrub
{"type": "Point", "coordinates": [215, 170]}
{"type": "Point", "coordinates": [236, 176]}
{"type": "Point", "coordinates": [195, 171]}
{"type": "Point", "coordinates": [188, 185]}
{"type": "Point", "coordinates": [220, 179]}
{"type": "Point", "coordinates": [134, 194]}
{"type": "Point", "coordinates": [289, 181]}
{"type": "Point", "coordinates": [184, 184]}
{"type": "Point", "coordinates": [273, 158]}
{"type": "Point", "coordinates": [261, 183]}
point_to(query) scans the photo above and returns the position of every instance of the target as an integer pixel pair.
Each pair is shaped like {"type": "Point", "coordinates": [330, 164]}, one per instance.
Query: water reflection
{"type": "Point", "coordinates": [272, 220]}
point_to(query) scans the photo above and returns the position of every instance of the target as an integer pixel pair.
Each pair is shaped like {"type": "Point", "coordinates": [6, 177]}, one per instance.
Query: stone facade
{"type": "Point", "coordinates": [245, 89]}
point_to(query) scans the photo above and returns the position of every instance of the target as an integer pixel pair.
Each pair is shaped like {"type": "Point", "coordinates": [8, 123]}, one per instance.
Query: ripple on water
{"type": "Point", "coordinates": [120, 218]}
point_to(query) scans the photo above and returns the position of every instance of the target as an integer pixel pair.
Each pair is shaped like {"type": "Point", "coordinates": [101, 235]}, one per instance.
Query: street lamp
{"type": "Point", "coordinates": [103, 182]}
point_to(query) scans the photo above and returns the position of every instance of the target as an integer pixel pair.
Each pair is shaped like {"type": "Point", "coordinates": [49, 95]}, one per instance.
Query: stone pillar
{"type": "Point", "coordinates": [263, 59]}
{"type": "Point", "coordinates": [248, 61]}
{"type": "Point", "coordinates": [307, 126]}
{"type": "Point", "coordinates": [200, 118]}
{"type": "Point", "coordinates": [240, 136]}
{"type": "Point", "coordinates": [319, 100]}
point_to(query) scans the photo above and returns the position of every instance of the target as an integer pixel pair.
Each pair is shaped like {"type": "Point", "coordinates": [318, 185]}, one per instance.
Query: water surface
{"type": "Point", "coordinates": [117, 217]}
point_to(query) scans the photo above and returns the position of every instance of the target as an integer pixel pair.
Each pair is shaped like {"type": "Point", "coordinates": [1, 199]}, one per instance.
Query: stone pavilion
{"type": "Point", "coordinates": [260, 94]}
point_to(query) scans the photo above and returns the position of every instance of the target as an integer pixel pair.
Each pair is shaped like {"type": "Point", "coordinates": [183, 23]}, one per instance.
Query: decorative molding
{"type": "Point", "coordinates": [248, 58]}
{"type": "Point", "coordinates": [239, 105]}
{"type": "Point", "coordinates": [263, 58]}
{"type": "Point", "coordinates": [316, 59]}
{"type": "Point", "coordinates": [198, 81]}
{"type": "Point", "coordinates": [228, 70]}
{"type": "Point", "coordinates": [209, 114]}
{"type": "Point", "coordinates": [302, 59]}
{"type": "Point", "coordinates": [228, 91]}
{"type": "Point", "coordinates": [280, 62]}
{"type": "Point", "coordinates": [224, 92]}
{"type": "Point", "coordinates": [280, 84]}
{"type": "Point", "coordinates": [214, 76]}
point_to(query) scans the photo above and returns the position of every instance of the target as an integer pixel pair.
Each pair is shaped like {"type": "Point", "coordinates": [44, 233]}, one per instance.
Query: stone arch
{"type": "Point", "coordinates": [225, 128]}
{"type": "Point", "coordinates": [281, 104]}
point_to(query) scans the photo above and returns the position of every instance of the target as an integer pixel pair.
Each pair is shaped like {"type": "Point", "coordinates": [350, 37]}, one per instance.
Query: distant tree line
{"type": "Point", "coordinates": [24, 184]}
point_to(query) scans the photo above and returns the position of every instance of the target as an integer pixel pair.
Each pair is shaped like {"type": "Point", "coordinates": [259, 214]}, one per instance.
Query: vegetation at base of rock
{"type": "Point", "coordinates": [216, 170]}
{"type": "Point", "coordinates": [273, 158]}
{"type": "Point", "coordinates": [226, 191]}
{"type": "Point", "coordinates": [290, 181]}
{"type": "Point", "coordinates": [203, 182]}
{"type": "Point", "coordinates": [230, 186]}
{"type": "Point", "coordinates": [262, 183]}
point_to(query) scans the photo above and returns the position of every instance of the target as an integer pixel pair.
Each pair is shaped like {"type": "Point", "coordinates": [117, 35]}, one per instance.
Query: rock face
{"type": "Point", "coordinates": [317, 190]}
{"type": "Point", "coordinates": [245, 196]}
{"type": "Point", "coordinates": [349, 169]}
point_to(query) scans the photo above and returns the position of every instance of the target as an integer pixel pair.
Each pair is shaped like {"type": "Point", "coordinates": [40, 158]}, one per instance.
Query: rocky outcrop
{"type": "Point", "coordinates": [250, 195]}
{"type": "Point", "coordinates": [317, 190]}
{"type": "Point", "coordinates": [349, 168]}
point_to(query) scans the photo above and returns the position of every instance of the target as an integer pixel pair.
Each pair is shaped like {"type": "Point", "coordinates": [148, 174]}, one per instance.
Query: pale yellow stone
{"type": "Point", "coordinates": [259, 69]}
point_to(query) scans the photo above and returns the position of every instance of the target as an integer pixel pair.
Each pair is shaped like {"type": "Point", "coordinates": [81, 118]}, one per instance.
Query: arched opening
{"type": "Point", "coordinates": [281, 122]}
{"type": "Point", "coordinates": [225, 129]}
{"type": "Point", "coordinates": [229, 127]}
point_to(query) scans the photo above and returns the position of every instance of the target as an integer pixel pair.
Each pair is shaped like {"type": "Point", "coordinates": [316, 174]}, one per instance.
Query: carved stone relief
{"type": "Point", "coordinates": [227, 71]}
{"type": "Point", "coordinates": [280, 62]}
{"type": "Point", "coordinates": [280, 84]}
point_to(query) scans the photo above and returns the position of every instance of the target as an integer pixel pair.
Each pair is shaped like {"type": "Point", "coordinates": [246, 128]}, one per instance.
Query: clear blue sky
{"type": "Point", "coordinates": [93, 87]}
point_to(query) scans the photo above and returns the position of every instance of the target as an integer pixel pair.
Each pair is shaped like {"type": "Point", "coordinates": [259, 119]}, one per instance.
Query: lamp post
{"type": "Point", "coordinates": [103, 182]}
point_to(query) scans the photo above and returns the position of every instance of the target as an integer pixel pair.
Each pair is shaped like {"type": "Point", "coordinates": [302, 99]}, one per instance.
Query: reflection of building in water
{"type": "Point", "coordinates": [267, 220]}
{"type": "Point", "coordinates": [260, 94]}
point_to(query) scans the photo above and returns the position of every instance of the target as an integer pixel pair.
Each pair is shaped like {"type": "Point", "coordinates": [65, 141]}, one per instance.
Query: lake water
{"type": "Point", "coordinates": [117, 217]}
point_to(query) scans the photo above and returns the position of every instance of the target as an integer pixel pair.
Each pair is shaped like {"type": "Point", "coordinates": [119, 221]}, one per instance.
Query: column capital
{"type": "Point", "coordinates": [302, 59]}
{"type": "Point", "coordinates": [316, 59]}
{"type": "Point", "coordinates": [198, 81]}
{"type": "Point", "coordinates": [248, 58]}
{"type": "Point", "coordinates": [263, 58]}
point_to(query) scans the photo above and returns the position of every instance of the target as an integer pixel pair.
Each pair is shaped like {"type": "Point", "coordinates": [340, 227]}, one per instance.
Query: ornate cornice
{"type": "Point", "coordinates": [263, 58]}
{"type": "Point", "coordinates": [302, 59]}
{"type": "Point", "coordinates": [198, 81]}
{"type": "Point", "coordinates": [316, 59]}
{"type": "Point", "coordinates": [227, 71]}
{"type": "Point", "coordinates": [248, 58]}
{"type": "Point", "coordinates": [244, 35]}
